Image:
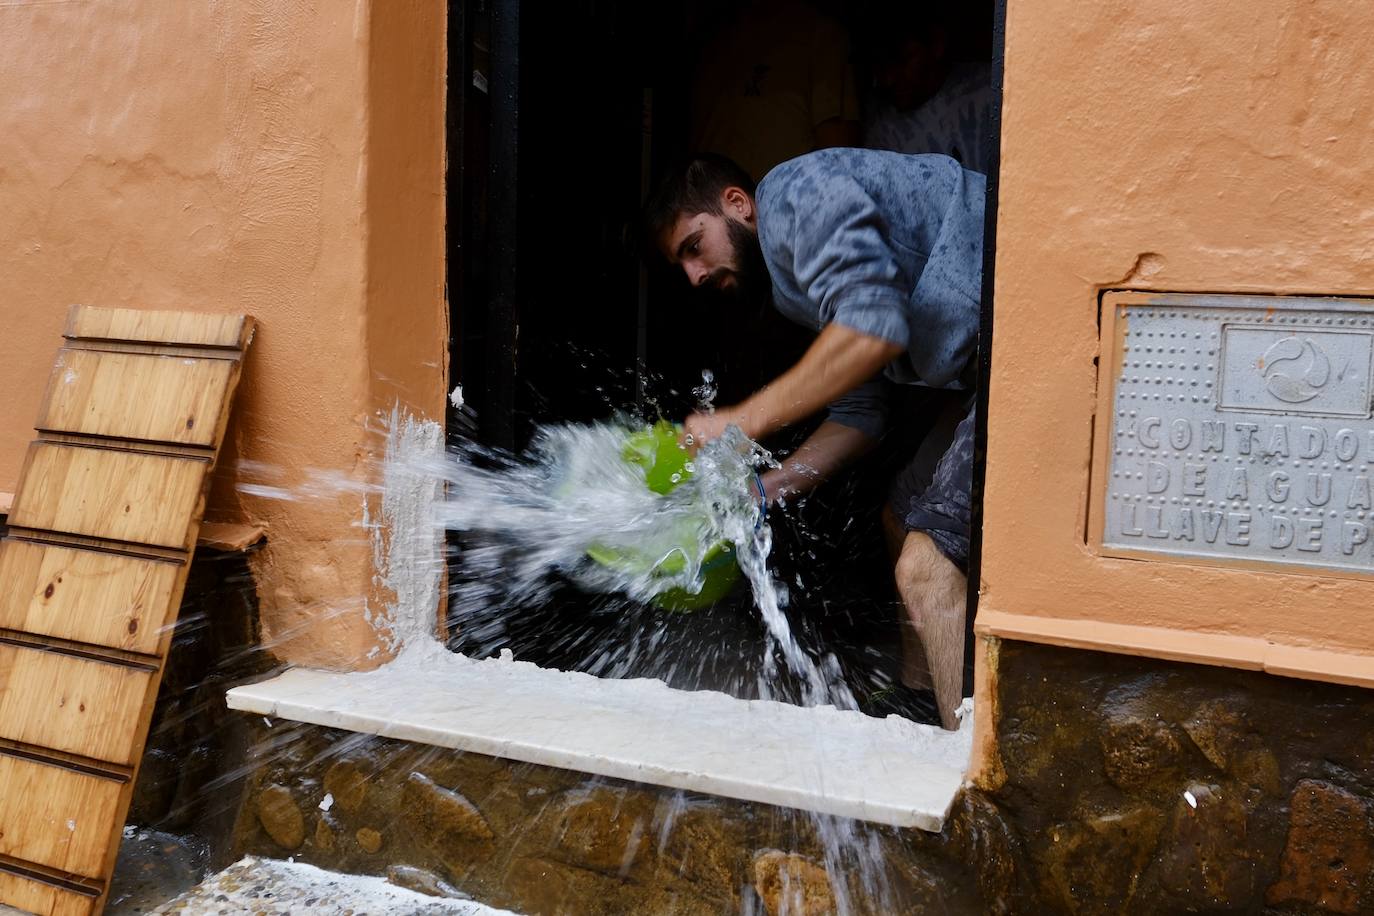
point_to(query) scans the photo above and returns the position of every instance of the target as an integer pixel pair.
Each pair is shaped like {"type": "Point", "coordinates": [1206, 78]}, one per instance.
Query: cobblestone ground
{"type": "Point", "coordinates": [267, 887]}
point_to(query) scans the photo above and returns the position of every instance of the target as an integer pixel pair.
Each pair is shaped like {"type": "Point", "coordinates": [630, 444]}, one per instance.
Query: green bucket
{"type": "Point", "coordinates": [656, 450]}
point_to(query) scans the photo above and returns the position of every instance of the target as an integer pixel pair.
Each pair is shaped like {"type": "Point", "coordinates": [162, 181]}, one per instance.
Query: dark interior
{"type": "Point", "coordinates": [560, 117]}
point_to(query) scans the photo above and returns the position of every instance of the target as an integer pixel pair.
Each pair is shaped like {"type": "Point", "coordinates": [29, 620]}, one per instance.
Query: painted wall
{"type": "Point", "coordinates": [283, 159]}
{"type": "Point", "coordinates": [1164, 146]}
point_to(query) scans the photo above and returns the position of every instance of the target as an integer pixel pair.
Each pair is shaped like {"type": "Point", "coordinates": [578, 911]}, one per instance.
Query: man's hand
{"type": "Point", "coordinates": [700, 428]}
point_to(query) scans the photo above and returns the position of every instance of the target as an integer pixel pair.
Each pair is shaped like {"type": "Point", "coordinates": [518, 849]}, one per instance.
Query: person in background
{"type": "Point", "coordinates": [880, 255]}
{"type": "Point", "coordinates": [774, 82]}
{"type": "Point", "coordinates": [925, 99]}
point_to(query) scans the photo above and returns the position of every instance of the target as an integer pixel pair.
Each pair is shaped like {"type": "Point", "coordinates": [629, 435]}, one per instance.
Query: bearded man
{"type": "Point", "coordinates": [881, 254]}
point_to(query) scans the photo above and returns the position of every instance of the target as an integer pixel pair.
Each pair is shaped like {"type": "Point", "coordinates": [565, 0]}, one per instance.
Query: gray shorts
{"type": "Point", "coordinates": [934, 492]}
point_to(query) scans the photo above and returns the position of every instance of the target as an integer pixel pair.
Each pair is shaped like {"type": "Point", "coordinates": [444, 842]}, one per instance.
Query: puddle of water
{"type": "Point", "coordinates": [154, 866]}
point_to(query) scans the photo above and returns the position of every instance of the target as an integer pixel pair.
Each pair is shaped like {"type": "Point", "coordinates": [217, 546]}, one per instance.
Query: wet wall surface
{"type": "Point", "coordinates": [1140, 786]}
{"type": "Point", "coordinates": [540, 840]}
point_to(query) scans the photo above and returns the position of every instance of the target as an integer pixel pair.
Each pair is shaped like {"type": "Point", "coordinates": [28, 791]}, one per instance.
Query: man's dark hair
{"type": "Point", "coordinates": [692, 186]}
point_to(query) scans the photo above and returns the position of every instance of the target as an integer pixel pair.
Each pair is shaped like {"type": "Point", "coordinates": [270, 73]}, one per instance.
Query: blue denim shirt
{"type": "Point", "coordinates": [886, 244]}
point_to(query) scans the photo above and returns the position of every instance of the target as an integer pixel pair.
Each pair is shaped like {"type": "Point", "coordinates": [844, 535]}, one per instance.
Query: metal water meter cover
{"type": "Point", "coordinates": [1235, 429]}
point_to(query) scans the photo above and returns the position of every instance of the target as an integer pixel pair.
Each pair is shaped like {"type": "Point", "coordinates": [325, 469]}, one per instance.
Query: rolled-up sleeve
{"type": "Point", "coordinates": [843, 261]}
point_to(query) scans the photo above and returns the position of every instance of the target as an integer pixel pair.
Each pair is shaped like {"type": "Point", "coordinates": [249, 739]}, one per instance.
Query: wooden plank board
{"type": "Point", "coordinates": [32, 896]}
{"type": "Point", "coordinates": [137, 396]}
{"type": "Point", "coordinates": [55, 816]}
{"type": "Point", "coordinates": [88, 596]}
{"type": "Point", "coordinates": [158, 327]}
{"type": "Point", "coordinates": [102, 524]}
{"type": "Point", "coordinates": [108, 493]}
{"type": "Point", "coordinates": [73, 704]}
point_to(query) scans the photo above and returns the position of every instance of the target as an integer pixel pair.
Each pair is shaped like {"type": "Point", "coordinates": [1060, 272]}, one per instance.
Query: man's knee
{"type": "Point", "coordinates": [931, 586]}
{"type": "Point", "coordinates": [920, 561]}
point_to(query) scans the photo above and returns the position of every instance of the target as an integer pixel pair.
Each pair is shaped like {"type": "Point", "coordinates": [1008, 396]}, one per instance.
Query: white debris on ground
{"type": "Point", "coordinates": [268, 887]}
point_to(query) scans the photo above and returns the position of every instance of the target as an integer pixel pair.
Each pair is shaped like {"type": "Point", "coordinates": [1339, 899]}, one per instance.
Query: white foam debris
{"type": "Point", "coordinates": [455, 397]}
{"type": "Point", "coordinates": [327, 802]}
{"type": "Point", "coordinates": [407, 544]}
{"type": "Point", "coordinates": [272, 887]}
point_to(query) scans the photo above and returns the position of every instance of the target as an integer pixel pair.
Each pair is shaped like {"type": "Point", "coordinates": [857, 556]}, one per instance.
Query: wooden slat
{"type": "Point", "coordinates": [156, 327]}
{"type": "Point", "coordinates": [134, 396]}
{"type": "Point", "coordinates": [100, 532]}
{"type": "Point", "coordinates": [73, 704]}
{"type": "Point", "coordinates": [108, 493]}
{"type": "Point", "coordinates": [44, 899]}
{"type": "Point", "coordinates": [77, 542]}
{"type": "Point", "coordinates": [56, 817]}
{"type": "Point", "coordinates": [85, 595]}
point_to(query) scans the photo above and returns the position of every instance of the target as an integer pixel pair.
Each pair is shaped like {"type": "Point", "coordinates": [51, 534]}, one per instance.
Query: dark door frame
{"type": "Point", "coordinates": [980, 436]}
{"type": "Point", "coordinates": [482, 216]}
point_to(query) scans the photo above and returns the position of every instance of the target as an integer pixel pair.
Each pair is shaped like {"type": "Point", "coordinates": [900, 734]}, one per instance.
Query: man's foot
{"type": "Point", "coordinates": [901, 700]}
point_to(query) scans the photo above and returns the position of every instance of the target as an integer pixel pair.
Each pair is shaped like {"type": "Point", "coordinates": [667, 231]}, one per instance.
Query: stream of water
{"type": "Point", "coordinates": [533, 530]}
{"type": "Point", "coordinates": [533, 521]}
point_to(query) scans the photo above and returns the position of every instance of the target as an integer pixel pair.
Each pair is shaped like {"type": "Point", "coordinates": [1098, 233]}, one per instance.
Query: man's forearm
{"type": "Point", "coordinates": [827, 450]}
{"type": "Point", "coordinates": [838, 361]}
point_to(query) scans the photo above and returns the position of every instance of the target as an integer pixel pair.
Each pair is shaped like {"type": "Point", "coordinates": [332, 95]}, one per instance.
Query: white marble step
{"type": "Point", "coordinates": [842, 763]}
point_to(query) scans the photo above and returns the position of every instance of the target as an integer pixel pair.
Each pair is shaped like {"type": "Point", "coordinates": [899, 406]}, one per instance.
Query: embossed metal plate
{"type": "Point", "coordinates": [1240, 429]}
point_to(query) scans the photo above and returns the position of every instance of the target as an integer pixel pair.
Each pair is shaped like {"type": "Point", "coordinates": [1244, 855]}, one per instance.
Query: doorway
{"type": "Point", "coordinates": [560, 118]}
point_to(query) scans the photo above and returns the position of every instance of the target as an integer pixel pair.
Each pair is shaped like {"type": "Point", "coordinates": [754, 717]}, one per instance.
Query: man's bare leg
{"type": "Point", "coordinates": [934, 593]}
{"type": "Point", "coordinates": [915, 672]}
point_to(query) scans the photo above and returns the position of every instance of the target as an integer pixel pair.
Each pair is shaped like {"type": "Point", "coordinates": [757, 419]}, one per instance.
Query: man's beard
{"type": "Point", "coordinates": [753, 286]}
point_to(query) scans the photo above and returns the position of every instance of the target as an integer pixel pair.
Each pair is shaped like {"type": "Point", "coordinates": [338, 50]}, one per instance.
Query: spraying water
{"type": "Point", "coordinates": [529, 525]}
{"type": "Point", "coordinates": [537, 519]}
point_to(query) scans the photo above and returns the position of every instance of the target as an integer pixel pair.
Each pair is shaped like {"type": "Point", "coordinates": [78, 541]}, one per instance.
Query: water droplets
{"type": "Point", "coordinates": [705, 393]}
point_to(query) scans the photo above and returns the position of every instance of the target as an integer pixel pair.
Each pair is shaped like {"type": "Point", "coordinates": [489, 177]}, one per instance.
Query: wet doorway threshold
{"type": "Point", "coordinates": [841, 763]}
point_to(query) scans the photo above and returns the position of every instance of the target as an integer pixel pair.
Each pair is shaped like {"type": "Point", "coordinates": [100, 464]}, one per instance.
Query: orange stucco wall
{"type": "Point", "coordinates": [281, 159]}
{"type": "Point", "coordinates": [1164, 146]}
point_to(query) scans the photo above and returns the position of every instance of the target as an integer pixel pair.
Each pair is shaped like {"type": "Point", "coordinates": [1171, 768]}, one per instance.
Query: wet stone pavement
{"type": "Point", "coordinates": [153, 867]}
{"type": "Point", "coordinates": [159, 872]}
{"type": "Point", "coordinates": [267, 887]}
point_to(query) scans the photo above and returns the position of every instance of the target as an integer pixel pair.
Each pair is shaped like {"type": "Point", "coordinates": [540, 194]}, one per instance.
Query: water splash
{"type": "Point", "coordinates": [532, 519]}
{"type": "Point", "coordinates": [706, 392]}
